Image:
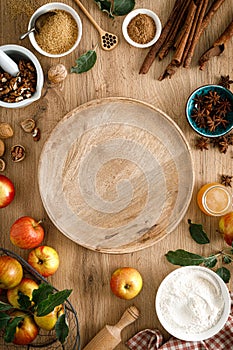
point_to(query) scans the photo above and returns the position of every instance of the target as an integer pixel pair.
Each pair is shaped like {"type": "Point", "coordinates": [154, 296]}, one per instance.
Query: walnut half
{"type": "Point", "coordinates": [17, 153]}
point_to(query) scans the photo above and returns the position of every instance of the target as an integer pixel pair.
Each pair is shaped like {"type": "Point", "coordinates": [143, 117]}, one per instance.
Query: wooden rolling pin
{"type": "Point", "coordinates": [110, 336]}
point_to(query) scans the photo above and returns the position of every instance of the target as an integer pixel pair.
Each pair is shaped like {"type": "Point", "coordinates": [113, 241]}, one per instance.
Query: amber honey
{"type": "Point", "coordinates": [214, 199]}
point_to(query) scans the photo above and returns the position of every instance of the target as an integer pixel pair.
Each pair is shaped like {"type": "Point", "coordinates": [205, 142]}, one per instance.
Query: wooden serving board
{"type": "Point", "coordinates": [116, 175]}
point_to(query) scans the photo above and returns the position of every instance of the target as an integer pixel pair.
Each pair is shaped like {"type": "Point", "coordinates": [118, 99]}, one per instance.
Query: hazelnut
{"type": "Point", "coordinates": [2, 165]}
{"type": "Point", "coordinates": [6, 131]}
{"type": "Point", "coordinates": [2, 148]}
{"type": "Point", "coordinates": [57, 74]}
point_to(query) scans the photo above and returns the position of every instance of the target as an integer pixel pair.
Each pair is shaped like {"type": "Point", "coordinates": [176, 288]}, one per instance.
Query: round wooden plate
{"type": "Point", "coordinates": [116, 175]}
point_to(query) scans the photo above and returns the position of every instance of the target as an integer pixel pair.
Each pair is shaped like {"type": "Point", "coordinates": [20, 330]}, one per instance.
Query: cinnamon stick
{"type": "Point", "coordinates": [184, 35]}
{"type": "Point", "coordinates": [213, 8]}
{"type": "Point", "coordinates": [169, 71]}
{"type": "Point", "coordinates": [175, 28]}
{"type": "Point", "coordinates": [196, 33]}
{"type": "Point", "coordinates": [218, 46]}
{"type": "Point", "coordinates": [150, 57]}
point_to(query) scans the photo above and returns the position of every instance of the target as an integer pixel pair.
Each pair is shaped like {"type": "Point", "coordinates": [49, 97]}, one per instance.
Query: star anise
{"type": "Point", "coordinates": [211, 124]}
{"type": "Point", "coordinates": [212, 97]}
{"type": "Point", "coordinates": [223, 144]}
{"type": "Point", "coordinates": [225, 81]}
{"type": "Point", "coordinates": [199, 116]}
{"type": "Point", "coordinates": [221, 121]}
{"type": "Point", "coordinates": [198, 101]}
{"type": "Point", "coordinates": [226, 180]}
{"type": "Point", "coordinates": [202, 143]}
{"type": "Point", "coordinates": [210, 111]}
{"type": "Point", "coordinates": [225, 106]}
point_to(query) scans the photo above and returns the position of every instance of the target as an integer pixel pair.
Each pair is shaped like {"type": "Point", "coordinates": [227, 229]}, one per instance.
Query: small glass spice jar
{"type": "Point", "coordinates": [214, 199]}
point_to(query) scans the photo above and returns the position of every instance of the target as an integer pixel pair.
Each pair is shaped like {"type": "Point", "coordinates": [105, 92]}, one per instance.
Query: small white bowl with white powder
{"type": "Point", "coordinates": [193, 303]}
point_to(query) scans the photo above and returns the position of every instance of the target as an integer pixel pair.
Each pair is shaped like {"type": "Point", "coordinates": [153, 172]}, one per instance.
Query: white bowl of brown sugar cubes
{"type": "Point", "coordinates": [60, 33]}
{"type": "Point", "coordinates": [141, 28]}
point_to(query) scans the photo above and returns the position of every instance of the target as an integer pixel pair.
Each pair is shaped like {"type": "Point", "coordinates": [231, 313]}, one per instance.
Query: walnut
{"type": "Point", "coordinates": [16, 89]}
{"type": "Point", "coordinates": [57, 74]}
{"type": "Point", "coordinates": [17, 153]}
{"type": "Point", "coordinates": [6, 131]}
{"type": "Point", "coordinates": [28, 125]}
{"type": "Point", "coordinates": [2, 148]}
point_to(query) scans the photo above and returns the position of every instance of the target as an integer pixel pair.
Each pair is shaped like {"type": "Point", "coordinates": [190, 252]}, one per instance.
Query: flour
{"type": "Point", "coordinates": [191, 301]}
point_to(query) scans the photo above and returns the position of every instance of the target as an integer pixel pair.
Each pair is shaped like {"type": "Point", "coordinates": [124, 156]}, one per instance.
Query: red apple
{"type": "Point", "coordinates": [11, 272]}
{"type": "Point", "coordinates": [226, 227]}
{"type": "Point", "coordinates": [26, 233]}
{"type": "Point", "coordinates": [26, 331]}
{"type": "Point", "coordinates": [26, 286]}
{"type": "Point", "coordinates": [126, 283]}
{"type": "Point", "coordinates": [44, 259]}
{"type": "Point", "coordinates": [48, 322]}
{"type": "Point", "coordinates": [7, 191]}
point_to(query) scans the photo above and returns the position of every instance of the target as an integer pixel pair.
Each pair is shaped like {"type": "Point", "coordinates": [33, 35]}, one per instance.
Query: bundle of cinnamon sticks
{"type": "Point", "coordinates": [187, 21]}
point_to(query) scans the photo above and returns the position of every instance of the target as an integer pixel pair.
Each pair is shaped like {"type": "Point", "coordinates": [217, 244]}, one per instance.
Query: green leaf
{"type": "Point", "coordinates": [211, 261]}
{"type": "Point", "coordinates": [122, 7]}
{"type": "Point", "coordinates": [183, 258]}
{"type": "Point", "coordinates": [24, 301]}
{"type": "Point", "coordinates": [42, 292]}
{"type": "Point", "coordinates": [4, 318]}
{"type": "Point", "coordinates": [61, 328]}
{"type": "Point", "coordinates": [224, 274]}
{"type": "Point", "coordinates": [197, 233]}
{"type": "Point", "coordinates": [85, 62]}
{"type": "Point", "coordinates": [227, 259]}
{"type": "Point", "coordinates": [105, 6]}
{"type": "Point", "coordinates": [5, 306]}
{"type": "Point", "coordinates": [11, 329]}
{"type": "Point", "coordinates": [46, 306]}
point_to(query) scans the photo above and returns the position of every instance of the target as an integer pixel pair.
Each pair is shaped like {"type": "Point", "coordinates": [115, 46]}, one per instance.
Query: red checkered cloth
{"type": "Point", "coordinates": [149, 339]}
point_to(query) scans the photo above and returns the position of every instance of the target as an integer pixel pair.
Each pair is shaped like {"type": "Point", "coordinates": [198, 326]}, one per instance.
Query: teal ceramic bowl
{"type": "Point", "coordinates": [215, 119]}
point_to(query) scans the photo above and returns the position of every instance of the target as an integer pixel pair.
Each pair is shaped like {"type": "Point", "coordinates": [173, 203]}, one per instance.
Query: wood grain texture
{"type": "Point", "coordinates": [116, 175]}
{"type": "Point", "coordinates": [114, 75]}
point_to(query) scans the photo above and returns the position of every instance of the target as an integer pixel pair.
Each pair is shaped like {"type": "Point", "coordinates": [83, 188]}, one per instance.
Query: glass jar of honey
{"type": "Point", "coordinates": [214, 199]}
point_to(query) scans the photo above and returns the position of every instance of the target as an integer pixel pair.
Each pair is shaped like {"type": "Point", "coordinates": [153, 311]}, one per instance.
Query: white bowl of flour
{"type": "Point", "coordinates": [193, 303]}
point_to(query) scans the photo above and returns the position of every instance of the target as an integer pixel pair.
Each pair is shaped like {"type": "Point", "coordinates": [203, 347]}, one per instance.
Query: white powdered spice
{"type": "Point", "coordinates": [191, 301]}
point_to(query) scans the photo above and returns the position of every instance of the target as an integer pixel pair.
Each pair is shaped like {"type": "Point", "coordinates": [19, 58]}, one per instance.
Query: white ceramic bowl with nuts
{"type": "Point", "coordinates": [141, 34]}
{"type": "Point", "coordinates": [51, 40]}
{"type": "Point", "coordinates": [21, 92]}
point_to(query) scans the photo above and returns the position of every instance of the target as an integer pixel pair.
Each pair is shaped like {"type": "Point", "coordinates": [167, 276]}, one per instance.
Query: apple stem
{"type": "Point", "coordinates": [127, 286]}
{"type": "Point", "coordinates": [37, 223]}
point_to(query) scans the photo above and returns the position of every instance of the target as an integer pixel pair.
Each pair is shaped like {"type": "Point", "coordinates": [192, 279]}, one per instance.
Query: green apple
{"type": "Point", "coordinates": [126, 283]}
{"type": "Point", "coordinates": [11, 272]}
{"type": "Point", "coordinates": [48, 322]}
{"type": "Point", "coordinates": [26, 331]}
{"type": "Point", "coordinates": [26, 287]}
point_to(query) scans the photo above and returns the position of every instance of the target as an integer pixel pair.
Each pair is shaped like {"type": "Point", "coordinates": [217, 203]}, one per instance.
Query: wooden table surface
{"type": "Point", "coordinates": [115, 74]}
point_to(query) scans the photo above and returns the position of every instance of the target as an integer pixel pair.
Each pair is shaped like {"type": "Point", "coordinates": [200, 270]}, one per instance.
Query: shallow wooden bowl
{"type": "Point", "coordinates": [116, 175]}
